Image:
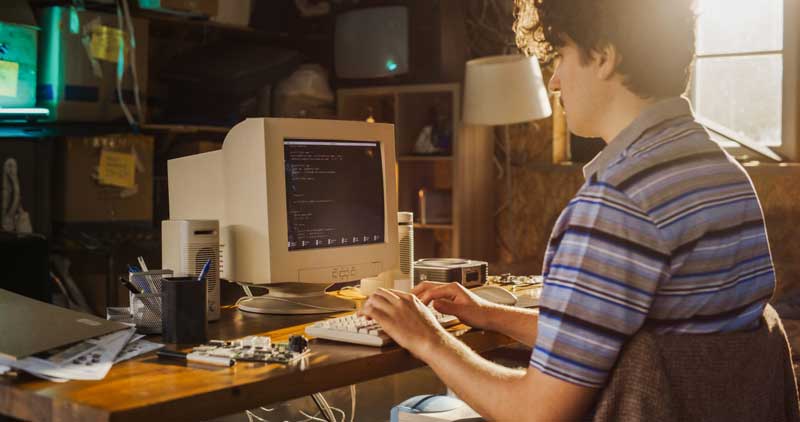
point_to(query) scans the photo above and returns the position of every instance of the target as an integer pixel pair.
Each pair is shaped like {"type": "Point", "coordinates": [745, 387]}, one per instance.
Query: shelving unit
{"type": "Point", "coordinates": [411, 108]}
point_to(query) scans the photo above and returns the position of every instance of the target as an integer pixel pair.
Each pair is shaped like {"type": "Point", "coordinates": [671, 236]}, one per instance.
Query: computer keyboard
{"type": "Point", "coordinates": [360, 330]}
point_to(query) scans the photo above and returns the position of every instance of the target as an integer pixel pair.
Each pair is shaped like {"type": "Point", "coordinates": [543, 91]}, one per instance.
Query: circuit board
{"type": "Point", "coordinates": [257, 349]}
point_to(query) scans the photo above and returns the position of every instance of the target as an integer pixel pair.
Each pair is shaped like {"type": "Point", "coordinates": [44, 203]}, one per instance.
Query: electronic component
{"type": "Point", "coordinates": [256, 349]}
{"type": "Point", "coordinates": [465, 271]}
{"type": "Point", "coordinates": [516, 280]}
{"type": "Point", "coordinates": [298, 344]}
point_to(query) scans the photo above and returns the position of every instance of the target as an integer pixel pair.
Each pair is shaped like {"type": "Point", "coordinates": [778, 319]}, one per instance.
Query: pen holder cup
{"type": "Point", "coordinates": [145, 308]}
{"type": "Point", "coordinates": [185, 309]}
{"type": "Point", "coordinates": [146, 312]}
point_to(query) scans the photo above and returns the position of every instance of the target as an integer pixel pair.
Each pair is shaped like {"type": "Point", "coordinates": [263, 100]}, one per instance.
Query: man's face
{"type": "Point", "coordinates": [581, 91]}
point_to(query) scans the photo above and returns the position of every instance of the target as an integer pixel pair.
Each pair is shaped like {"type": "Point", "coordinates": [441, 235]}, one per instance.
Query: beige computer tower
{"type": "Point", "coordinates": [186, 245]}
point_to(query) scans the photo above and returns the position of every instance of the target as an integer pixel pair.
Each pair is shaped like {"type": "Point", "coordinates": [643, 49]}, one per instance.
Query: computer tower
{"type": "Point", "coordinates": [186, 245]}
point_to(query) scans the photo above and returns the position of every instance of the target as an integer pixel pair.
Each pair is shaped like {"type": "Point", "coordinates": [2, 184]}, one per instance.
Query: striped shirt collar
{"type": "Point", "coordinates": [652, 115]}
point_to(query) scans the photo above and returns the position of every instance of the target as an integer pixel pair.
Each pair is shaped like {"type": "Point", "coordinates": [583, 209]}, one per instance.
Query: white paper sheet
{"type": "Point", "coordinates": [93, 366]}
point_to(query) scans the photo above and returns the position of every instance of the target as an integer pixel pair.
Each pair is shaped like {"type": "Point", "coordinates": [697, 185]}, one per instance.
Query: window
{"type": "Point", "coordinates": [745, 75]}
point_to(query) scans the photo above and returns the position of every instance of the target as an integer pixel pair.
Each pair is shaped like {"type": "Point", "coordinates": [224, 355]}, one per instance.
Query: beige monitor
{"type": "Point", "coordinates": [302, 204]}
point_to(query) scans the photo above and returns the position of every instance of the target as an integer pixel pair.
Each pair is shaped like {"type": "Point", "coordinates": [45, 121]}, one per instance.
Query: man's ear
{"type": "Point", "coordinates": [607, 60]}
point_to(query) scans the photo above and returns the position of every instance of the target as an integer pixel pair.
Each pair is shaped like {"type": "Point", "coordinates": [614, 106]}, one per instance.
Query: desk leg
{"type": "Point", "coordinates": [323, 406]}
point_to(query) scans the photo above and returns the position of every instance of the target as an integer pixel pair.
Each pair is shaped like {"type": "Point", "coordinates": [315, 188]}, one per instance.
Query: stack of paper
{"type": "Point", "coordinates": [87, 360]}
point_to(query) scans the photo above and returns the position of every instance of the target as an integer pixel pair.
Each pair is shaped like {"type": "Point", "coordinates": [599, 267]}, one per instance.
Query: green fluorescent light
{"type": "Point", "coordinates": [391, 65]}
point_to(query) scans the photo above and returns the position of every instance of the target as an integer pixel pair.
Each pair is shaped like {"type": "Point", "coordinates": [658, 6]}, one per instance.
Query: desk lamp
{"type": "Point", "coordinates": [503, 90]}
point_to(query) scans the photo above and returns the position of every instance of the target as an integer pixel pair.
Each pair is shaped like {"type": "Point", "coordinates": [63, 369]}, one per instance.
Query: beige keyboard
{"type": "Point", "coordinates": [360, 330]}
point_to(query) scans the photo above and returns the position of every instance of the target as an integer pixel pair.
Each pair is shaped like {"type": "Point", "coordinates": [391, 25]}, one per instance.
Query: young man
{"type": "Point", "coordinates": [666, 232]}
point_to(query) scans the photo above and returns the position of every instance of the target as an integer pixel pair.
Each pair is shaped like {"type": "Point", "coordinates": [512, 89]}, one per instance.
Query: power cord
{"type": "Point", "coordinates": [252, 416]}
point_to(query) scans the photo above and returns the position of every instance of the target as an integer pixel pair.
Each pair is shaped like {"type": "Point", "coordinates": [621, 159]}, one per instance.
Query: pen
{"type": "Point", "coordinates": [147, 278]}
{"type": "Point", "coordinates": [204, 271]}
{"type": "Point", "coordinates": [130, 286]}
{"type": "Point", "coordinates": [197, 358]}
{"type": "Point", "coordinates": [134, 269]}
{"type": "Point", "coordinates": [141, 263]}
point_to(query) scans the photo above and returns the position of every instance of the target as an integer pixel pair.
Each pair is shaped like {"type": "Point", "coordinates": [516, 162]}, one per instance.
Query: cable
{"type": "Point", "coordinates": [251, 415]}
{"type": "Point", "coordinates": [324, 407]}
{"type": "Point", "coordinates": [134, 71]}
{"type": "Point", "coordinates": [356, 293]}
{"type": "Point", "coordinates": [120, 74]}
{"type": "Point", "coordinates": [312, 418]}
{"type": "Point", "coordinates": [352, 402]}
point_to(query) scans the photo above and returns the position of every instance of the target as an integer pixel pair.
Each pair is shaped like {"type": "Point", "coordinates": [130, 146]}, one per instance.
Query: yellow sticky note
{"type": "Point", "coordinates": [9, 76]}
{"type": "Point", "coordinates": [117, 169]}
{"type": "Point", "coordinates": [106, 42]}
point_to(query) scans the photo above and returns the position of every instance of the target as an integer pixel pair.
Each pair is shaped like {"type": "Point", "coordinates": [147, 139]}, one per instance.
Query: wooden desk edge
{"type": "Point", "coordinates": [31, 404]}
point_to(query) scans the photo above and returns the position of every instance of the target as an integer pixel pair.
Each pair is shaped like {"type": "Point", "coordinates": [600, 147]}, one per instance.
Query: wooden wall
{"type": "Point", "coordinates": [543, 190]}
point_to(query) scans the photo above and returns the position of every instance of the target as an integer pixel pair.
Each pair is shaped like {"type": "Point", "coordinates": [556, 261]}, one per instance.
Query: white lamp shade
{"type": "Point", "coordinates": [502, 90]}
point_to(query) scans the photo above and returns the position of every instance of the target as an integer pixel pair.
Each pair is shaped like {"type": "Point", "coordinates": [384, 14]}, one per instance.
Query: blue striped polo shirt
{"type": "Point", "coordinates": [667, 232]}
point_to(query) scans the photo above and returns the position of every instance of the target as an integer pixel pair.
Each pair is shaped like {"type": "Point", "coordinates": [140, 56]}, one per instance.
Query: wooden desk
{"type": "Point", "coordinates": [147, 388]}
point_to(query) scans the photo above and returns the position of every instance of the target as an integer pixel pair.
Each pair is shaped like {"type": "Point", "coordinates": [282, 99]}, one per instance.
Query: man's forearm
{"type": "Point", "coordinates": [517, 323]}
{"type": "Point", "coordinates": [489, 388]}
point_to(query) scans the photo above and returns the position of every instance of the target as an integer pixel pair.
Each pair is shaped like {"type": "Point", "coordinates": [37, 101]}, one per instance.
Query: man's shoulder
{"type": "Point", "coordinates": [669, 158]}
{"type": "Point", "coordinates": [661, 145]}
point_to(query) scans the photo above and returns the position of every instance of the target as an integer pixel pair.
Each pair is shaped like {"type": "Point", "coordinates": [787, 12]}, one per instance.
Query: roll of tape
{"type": "Point", "coordinates": [404, 285]}
{"type": "Point", "coordinates": [370, 284]}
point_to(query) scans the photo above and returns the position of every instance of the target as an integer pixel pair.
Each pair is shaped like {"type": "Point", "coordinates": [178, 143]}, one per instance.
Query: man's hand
{"type": "Point", "coordinates": [455, 299]}
{"type": "Point", "coordinates": [405, 319]}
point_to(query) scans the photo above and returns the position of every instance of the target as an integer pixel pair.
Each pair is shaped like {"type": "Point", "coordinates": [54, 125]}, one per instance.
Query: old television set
{"type": "Point", "coordinates": [389, 42]}
{"type": "Point", "coordinates": [371, 42]}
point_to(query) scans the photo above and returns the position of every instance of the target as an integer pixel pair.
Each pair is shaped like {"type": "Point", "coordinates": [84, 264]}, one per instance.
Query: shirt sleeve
{"type": "Point", "coordinates": [604, 263]}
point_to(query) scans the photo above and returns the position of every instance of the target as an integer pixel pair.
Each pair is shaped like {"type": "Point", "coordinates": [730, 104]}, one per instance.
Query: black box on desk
{"type": "Point", "coordinates": [104, 179]}
{"type": "Point", "coordinates": [78, 59]}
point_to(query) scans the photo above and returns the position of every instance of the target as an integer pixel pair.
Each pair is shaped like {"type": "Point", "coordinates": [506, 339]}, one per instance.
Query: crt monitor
{"type": "Point", "coordinates": [302, 204]}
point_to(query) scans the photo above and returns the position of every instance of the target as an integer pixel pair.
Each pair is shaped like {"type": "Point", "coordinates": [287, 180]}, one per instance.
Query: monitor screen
{"type": "Point", "coordinates": [334, 193]}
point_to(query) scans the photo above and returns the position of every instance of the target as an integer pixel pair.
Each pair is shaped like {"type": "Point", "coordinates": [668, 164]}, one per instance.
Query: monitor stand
{"type": "Point", "coordinates": [294, 299]}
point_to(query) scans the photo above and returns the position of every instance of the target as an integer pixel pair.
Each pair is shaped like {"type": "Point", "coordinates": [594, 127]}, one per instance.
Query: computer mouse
{"type": "Point", "coordinates": [496, 294]}
{"type": "Point", "coordinates": [432, 403]}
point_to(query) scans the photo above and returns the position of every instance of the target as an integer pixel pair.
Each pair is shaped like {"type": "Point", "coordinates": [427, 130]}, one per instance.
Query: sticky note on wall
{"type": "Point", "coordinates": [117, 169]}
{"type": "Point", "coordinates": [106, 42]}
{"type": "Point", "coordinates": [9, 78]}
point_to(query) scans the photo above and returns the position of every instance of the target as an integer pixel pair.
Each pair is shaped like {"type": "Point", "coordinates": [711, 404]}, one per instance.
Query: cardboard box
{"type": "Point", "coordinates": [234, 12]}
{"type": "Point", "coordinates": [78, 59]}
{"type": "Point", "coordinates": [191, 7]}
{"type": "Point", "coordinates": [18, 45]}
{"type": "Point", "coordinates": [83, 195]}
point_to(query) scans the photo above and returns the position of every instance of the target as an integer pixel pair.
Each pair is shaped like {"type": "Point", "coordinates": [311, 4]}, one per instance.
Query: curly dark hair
{"type": "Point", "coordinates": [655, 38]}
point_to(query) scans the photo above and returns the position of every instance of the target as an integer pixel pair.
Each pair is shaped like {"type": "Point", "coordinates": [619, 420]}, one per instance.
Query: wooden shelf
{"type": "Point", "coordinates": [185, 128]}
{"type": "Point", "coordinates": [425, 158]}
{"type": "Point", "coordinates": [61, 129]}
{"type": "Point", "coordinates": [466, 173]}
{"type": "Point", "coordinates": [433, 226]}
{"type": "Point", "coordinates": [159, 18]}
